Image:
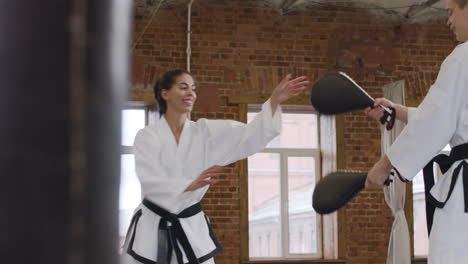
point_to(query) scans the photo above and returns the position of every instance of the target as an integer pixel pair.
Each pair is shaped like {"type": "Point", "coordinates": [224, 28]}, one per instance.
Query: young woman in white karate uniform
{"type": "Point", "coordinates": [441, 118]}
{"type": "Point", "coordinates": [177, 159]}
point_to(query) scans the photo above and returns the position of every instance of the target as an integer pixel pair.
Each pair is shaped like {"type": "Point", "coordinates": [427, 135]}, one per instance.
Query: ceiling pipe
{"type": "Point", "coordinates": [189, 33]}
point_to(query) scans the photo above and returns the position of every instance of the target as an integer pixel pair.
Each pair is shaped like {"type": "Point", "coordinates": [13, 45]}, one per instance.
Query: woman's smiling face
{"type": "Point", "coordinates": [181, 97]}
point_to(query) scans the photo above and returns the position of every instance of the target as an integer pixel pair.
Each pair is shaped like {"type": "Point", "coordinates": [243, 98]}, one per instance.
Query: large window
{"type": "Point", "coordinates": [133, 119]}
{"type": "Point", "coordinates": [281, 179]}
{"type": "Point", "coordinates": [421, 241]}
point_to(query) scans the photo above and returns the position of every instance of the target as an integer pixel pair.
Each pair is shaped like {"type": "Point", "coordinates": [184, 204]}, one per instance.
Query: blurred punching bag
{"type": "Point", "coordinates": [63, 78]}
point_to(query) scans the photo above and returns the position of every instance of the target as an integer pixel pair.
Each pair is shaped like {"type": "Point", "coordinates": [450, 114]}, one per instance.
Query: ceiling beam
{"type": "Point", "coordinates": [286, 5]}
{"type": "Point", "coordinates": [413, 10]}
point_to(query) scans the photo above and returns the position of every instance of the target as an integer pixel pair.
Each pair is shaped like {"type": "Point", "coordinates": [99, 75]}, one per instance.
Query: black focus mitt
{"type": "Point", "coordinates": [337, 188]}
{"type": "Point", "coordinates": [337, 93]}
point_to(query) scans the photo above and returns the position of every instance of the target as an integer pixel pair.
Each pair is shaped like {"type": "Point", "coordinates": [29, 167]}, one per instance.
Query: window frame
{"type": "Point", "coordinates": [150, 117]}
{"type": "Point", "coordinates": [284, 154]}
{"type": "Point", "coordinates": [332, 149]}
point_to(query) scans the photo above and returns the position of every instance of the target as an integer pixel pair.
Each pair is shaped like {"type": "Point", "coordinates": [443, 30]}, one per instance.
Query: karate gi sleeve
{"type": "Point", "coordinates": [230, 141]}
{"type": "Point", "coordinates": [431, 126]}
{"type": "Point", "coordinates": [411, 112]}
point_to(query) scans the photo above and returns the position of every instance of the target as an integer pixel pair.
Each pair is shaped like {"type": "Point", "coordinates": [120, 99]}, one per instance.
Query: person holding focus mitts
{"type": "Point", "coordinates": [177, 159]}
{"type": "Point", "coordinates": [441, 119]}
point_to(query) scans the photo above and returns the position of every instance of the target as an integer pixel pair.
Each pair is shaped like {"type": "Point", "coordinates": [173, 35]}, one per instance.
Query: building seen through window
{"type": "Point", "coordinates": [281, 179]}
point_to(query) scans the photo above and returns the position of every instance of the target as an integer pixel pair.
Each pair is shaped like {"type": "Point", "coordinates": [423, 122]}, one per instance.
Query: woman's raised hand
{"type": "Point", "coordinates": [288, 88]}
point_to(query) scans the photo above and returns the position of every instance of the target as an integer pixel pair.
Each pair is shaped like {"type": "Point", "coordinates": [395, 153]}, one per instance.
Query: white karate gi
{"type": "Point", "coordinates": [166, 169]}
{"type": "Point", "coordinates": [441, 118]}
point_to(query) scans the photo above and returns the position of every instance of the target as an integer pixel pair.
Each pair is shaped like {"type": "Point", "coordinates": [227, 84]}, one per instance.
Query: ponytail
{"type": "Point", "coordinates": [162, 105]}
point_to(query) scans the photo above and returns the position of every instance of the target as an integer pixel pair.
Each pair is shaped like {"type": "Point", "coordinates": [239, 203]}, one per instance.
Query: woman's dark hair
{"type": "Point", "coordinates": [165, 82]}
{"type": "Point", "coordinates": [462, 3]}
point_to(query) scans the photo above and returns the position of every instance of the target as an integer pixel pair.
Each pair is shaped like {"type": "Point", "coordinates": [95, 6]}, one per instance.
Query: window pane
{"type": "Point", "coordinates": [298, 131]}
{"type": "Point", "coordinates": [302, 219]}
{"type": "Point", "coordinates": [130, 194]}
{"type": "Point", "coordinates": [264, 205]}
{"type": "Point", "coordinates": [132, 121]}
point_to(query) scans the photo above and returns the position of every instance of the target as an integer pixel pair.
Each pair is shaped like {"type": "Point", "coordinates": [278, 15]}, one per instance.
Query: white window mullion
{"type": "Point", "coordinates": [284, 204]}
{"type": "Point", "coordinates": [318, 234]}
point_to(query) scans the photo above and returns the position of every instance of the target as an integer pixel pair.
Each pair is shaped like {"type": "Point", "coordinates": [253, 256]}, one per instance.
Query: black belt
{"type": "Point", "coordinates": [458, 153]}
{"type": "Point", "coordinates": [169, 236]}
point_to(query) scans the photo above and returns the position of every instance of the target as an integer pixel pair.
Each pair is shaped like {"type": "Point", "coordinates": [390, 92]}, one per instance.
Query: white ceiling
{"type": "Point", "coordinates": [405, 11]}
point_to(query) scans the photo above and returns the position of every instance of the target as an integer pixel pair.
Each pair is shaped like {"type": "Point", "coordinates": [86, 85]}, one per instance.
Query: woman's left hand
{"type": "Point", "coordinates": [288, 88]}
{"type": "Point", "coordinates": [205, 178]}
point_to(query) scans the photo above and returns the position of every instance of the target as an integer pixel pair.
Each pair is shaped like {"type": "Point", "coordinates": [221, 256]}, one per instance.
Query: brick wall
{"type": "Point", "coordinates": [240, 47]}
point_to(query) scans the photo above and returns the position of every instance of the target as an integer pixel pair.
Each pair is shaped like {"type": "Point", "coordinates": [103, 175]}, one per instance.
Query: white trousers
{"type": "Point", "coordinates": [448, 242]}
